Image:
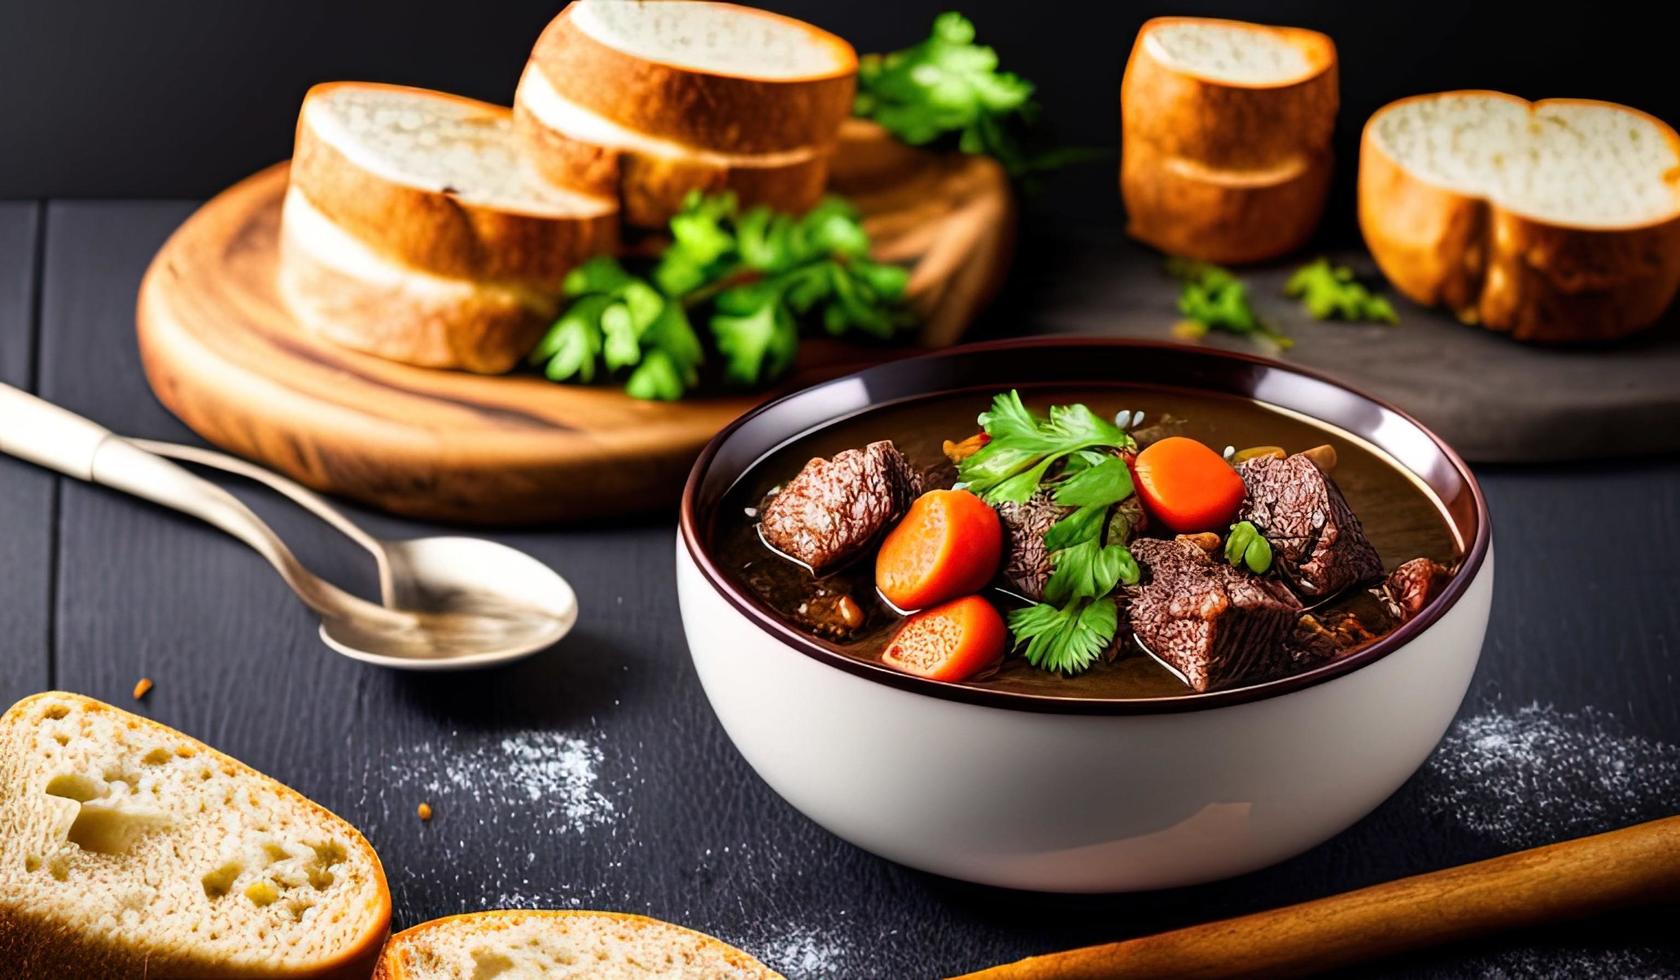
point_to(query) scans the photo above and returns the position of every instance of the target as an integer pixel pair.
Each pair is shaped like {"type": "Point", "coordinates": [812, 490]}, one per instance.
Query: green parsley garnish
{"type": "Point", "coordinates": [948, 87]}
{"type": "Point", "coordinates": [754, 276]}
{"type": "Point", "coordinates": [1211, 298]}
{"type": "Point", "coordinates": [1330, 292]}
{"type": "Point", "coordinates": [1071, 453]}
{"type": "Point", "coordinates": [1245, 545]}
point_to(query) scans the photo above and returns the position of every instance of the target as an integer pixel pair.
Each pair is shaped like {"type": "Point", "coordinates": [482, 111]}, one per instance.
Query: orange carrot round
{"type": "Point", "coordinates": [952, 642]}
{"type": "Point", "coordinates": [1187, 486]}
{"type": "Point", "coordinates": [949, 544]}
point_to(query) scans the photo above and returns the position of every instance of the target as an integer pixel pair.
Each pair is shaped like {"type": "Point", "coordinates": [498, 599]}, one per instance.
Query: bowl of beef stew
{"type": "Point", "coordinates": [1083, 615]}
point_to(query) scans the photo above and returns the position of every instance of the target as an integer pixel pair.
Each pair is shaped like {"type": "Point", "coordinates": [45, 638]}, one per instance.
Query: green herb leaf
{"type": "Point", "coordinates": [754, 275]}
{"type": "Point", "coordinates": [949, 89]}
{"type": "Point", "coordinates": [1065, 640]}
{"type": "Point", "coordinates": [1023, 447]}
{"type": "Point", "coordinates": [1213, 299]}
{"type": "Point", "coordinates": [1330, 292]}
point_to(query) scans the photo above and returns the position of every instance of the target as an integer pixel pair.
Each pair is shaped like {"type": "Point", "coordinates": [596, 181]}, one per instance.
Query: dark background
{"type": "Point", "coordinates": [179, 98]}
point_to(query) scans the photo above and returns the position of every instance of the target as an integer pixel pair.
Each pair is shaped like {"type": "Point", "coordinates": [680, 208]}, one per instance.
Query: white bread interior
{"type": "Point", "coordinates": [1588, 165]}
{"type": "Point", "coordinates": [529, 945]}
{"type": "Point", "coordinates": [707, 37]}
{"type": "Point", "coordinates": [126, 846]}
{"type": "Point", "coordinates": [1227, 52]}
{"type": "Point", "coordinates": [443, 145]}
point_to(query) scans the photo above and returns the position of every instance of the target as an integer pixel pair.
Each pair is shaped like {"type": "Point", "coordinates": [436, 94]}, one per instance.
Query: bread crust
{"type": "Point", "coordinates": [651, 187]}
{"type": "Point", "coordinates": [1227, 216]}
{"type": "Point", "coordinates": [391, 963]}
{"type": "Point", "coordinates": [1534, 279]}
{"type": "Point", "coordinates": [729, 113]}
{"type": "Point", "coordinates": [41, 948]}
{"type": "Point", "coordinates": [437, 231]}
{"type": "Point", "coordinates": [480, 327]}
{"type": "Point", "coordinates": [1226, 171]}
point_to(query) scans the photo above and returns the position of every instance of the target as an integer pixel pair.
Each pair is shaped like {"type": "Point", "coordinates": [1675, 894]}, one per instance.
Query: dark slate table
{"type": "Point", "coordinates": [595, 776]}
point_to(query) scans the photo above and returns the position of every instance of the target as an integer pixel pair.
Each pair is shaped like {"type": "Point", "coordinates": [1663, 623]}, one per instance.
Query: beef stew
{"type": "Point", "coordinates": [1181, 612]}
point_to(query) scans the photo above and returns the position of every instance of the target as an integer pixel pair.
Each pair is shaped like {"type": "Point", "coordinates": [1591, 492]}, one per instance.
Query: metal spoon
{"type": "Point", "coordinates": [451, 602]}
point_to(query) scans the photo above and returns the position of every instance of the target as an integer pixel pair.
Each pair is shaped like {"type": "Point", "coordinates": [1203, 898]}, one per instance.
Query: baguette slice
{"type": "Point", "coordinates": [1225, 137]}
{"type": "Point", "coordinates": [647, 101]}
{"type": "Point", "coordinates": [525, 945]}
{"type": "Point", "coordinates": [413, 231]}
{"type": "Point", "coordinates": [128, 849]}
{"type": "Point", "coordinates": [1554, 221]}
{"type": "Point", "coordinates": [716, 75]}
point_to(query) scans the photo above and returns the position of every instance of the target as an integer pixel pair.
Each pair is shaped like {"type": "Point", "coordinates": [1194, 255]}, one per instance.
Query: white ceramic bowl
{"type": "Point", "coordinates": [1081, 795]}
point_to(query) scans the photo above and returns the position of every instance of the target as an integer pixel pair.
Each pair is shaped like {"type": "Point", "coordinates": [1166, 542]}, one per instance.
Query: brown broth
{"type": "Point", "coordinates": [1402, 520]}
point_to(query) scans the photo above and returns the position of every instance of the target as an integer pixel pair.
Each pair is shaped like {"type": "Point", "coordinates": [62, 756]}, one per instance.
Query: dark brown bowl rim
{"type": "Point", "coordinates": [1467, 572]}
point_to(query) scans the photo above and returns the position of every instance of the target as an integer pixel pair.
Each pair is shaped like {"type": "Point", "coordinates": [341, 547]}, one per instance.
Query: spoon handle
{"type": "Point", "coordinates": [50, 436]}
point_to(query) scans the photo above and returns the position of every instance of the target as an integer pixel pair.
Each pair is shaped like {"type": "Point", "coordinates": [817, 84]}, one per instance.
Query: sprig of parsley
{"type": "Point", "coordinates": [947, 88]}
{"type": "Point", "coordinates": [1211, 298]}
{"type": "Point", "coordinates": [1070, 453]}
{"type": "Point", "coordinates": [754, 276]}
{"type": "Point", "coordinates": [1330, 292]}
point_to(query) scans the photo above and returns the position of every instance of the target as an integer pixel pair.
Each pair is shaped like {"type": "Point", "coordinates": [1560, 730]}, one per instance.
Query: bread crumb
{"type": "Point", "coordinates": [142, 687]}
{"type": "Point", "coordinates": [424, 811]}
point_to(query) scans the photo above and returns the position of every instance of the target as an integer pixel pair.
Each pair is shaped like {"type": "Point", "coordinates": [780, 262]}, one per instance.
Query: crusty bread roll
{"type": "Point", "coordinates": [1225, 137]}
{"type": "Point", "coordinates": [647, 101]}
{"type": "Point", "coordinates": [1552, 221]}
{"type": "Point", "coordinates": [524, 945]}
{"type": "Point", "coordinates": [130, 850]}
{"type": "Point", "coordinates": [412, 231]}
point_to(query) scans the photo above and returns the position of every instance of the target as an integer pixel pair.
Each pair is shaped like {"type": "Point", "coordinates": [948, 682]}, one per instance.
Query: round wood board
{"type": "Point", "coordinates": [223, 353]}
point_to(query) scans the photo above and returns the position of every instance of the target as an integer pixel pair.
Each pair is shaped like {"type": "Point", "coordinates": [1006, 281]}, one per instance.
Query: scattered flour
{"type": "Point", "coordinates": [802, 952]}
{"type": "Point", "coordinates": [1539, 775]}
{"type": "Point", "coordinates": [552, 772]}
{"type": "Point", "coordinates": [1552, 964]}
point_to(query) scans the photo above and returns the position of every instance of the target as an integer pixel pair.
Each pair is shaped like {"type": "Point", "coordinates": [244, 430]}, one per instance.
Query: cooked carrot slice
{"type": "Point", "coordinates": [952, 642]}
{"type": "Point", "coordinates": [1187, 486]}
{"type": "Point", "coordinates": [949, 544]}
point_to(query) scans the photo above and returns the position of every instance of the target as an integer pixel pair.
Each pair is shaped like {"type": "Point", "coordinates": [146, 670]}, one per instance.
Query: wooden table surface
{"type": "Point", "coordinates": [595, 775]}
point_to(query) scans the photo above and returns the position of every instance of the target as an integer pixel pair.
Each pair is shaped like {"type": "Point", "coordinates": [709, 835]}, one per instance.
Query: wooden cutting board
{"type": "Point", "coordinates": [223, 353]}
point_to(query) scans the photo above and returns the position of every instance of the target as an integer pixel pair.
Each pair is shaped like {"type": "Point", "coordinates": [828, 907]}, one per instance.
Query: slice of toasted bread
{"type": "Point", "coordinates": [128, 849]}
{"type": "Point", "coordinates": [1552, 221]}
{"type": "Point", "coordinates": [413, 231]}
{"type": "Point", "coordinates": [1225, 137]}
{"type": "Point", "coordinates": [576, 148]}
{"type": "Point", "coordinates": [524, 945]}
{"type": "Point", "coordinates": [434, 181]}
{"type": "Point", "coordinates": [647, 101]}
{"type": "Point", "coordinates": [712, 75]}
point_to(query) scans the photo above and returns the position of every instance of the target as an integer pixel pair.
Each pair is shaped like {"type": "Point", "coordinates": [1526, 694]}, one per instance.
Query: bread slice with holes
{"type": "Point", "coordinates": [1225, 137]}
{"type": "Point", "coordinates": [128, 849]}
{"type": "Point", "coordinates": [525, 945]}
{"type": "Point", "coordinates": [1552, 221]}
{"type": "Point", "coordinates": [412, 230]}
{"type": "Point", "coordinates": [646, 101]}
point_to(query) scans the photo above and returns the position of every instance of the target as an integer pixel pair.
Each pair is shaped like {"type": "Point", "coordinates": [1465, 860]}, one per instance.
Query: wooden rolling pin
{"type": "Point", "coordinates": [1639, 864]}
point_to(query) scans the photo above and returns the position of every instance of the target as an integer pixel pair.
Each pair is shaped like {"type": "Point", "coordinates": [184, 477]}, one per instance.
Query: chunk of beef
{"type": "Point", "coordinates": [1212, 623]}
{"type": "Point", "coordinates": [834, 508]}
{"type": "Point", "coordinates": [1410, 587]}
{"type": "Point", "coordinates": [1317, 639]}
{"type": "Point", "coordinates": [1026, 565]}
{"type": "Point", "coordinates": [1316, 538]}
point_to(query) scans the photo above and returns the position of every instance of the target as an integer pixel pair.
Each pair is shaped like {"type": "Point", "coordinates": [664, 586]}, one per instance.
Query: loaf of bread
{"type": "Point", "coordinates": [1551, 221]}
{"type": "Point", "coordinates": [646, 101]}
{"type": "Point", "coordinates": [130, 850]}
{"type": "Point", "coordinates": [558, 945]}
{"type": "Point", "coordinates": [412, 231]}
{"type": "Point", "coordinates": [1225, 137]}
